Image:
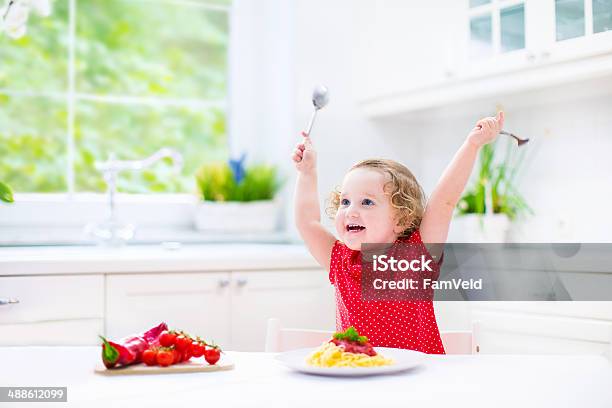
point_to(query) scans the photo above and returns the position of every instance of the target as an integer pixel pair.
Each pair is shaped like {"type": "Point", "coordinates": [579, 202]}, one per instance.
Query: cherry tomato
{"type": "Point", "coordinates": [212, 355]}
{"type": "Point", "coordinates": [187, 354]}
{"type": "Point", "coordinates": [165, 358]}
{"type": "Point", "coordinates": [197, 349]}
{"type": "Point", "coordinates": [167, 338]}
{"type": "Point", "coordinates": [149, 357]}
{"type": "Point", "coordinates": [178, 356]}
{"type": "Point", "coordinates": [182, 342]}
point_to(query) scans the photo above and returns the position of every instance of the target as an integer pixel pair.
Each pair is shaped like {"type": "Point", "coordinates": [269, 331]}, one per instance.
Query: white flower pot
{"type": "Point", "coordinates": [237, 217]}
{"type": "Point", "coordinates": [479, 228]}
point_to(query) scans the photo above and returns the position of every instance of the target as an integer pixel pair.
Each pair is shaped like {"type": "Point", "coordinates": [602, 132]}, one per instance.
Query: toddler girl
{"type": "Point", "coordinates": [380, 201]}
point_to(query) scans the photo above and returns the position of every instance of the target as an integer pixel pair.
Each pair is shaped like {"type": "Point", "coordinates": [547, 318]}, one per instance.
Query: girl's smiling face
{"type": "Point", "coordinates": [365, 214]}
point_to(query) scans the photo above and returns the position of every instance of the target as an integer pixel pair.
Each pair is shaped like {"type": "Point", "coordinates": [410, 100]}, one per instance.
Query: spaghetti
{"type": "Point", "coordinates": [347, 349]}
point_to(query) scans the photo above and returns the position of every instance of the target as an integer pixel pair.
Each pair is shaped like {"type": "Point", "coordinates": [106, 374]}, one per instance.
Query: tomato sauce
{"type": "Point", "coordinates": [354, 347]}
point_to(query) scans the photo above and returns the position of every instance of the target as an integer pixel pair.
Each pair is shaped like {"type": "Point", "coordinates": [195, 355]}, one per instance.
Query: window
{"type": "Point", "coordinates": [114, 76]}
{"type": "Point", "coordinates": [579, 18]}
{"type": "Point", "coordinates": [476, 3]}
{"type": "Point", "coordinates": [569, 15]}
{"type": "Point", "coordinates": [481, 42]}
{"type": "Point", "coordinates": [602, 15]}
{"type": "Point", "coordinates": [496, 27]}
{"type": "Point", "coordinates": [512, 27]}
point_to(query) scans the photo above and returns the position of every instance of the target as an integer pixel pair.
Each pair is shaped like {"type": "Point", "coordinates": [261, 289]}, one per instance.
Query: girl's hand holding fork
{"type": "Point", "coordinates": [486, 130]}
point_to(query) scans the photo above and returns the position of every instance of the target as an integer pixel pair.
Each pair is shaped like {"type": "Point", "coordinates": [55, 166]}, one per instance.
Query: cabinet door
{"type": "Point", "coordinates": [404, 45]}
{"type": "Point", "coordinates": [300, 299]}
{"type": "Point", "coordinates": [508, 35]}
{"type": "Point", "coordinates": [577, 29]}
{"type": "Point", "coordinates": [198, 303]}
{"type": "Point", "coordinates": [543, 327]}
{"type": "Point", "coordinates": [51, 310]}
{"type": "Point", "coordinates": [501, 36]}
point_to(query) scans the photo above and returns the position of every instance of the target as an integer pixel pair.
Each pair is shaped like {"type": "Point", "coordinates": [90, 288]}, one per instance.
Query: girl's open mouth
{"type": "Point", "coordinates": [355, 228]}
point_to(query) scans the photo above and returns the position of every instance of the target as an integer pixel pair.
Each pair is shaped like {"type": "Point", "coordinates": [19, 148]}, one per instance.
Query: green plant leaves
{"type": "Point", "coordinates": [498, 178]}
{"type": "Point", "coordinates": [6, 194]}
{"type": "Point", "coordinates": [216, 183]}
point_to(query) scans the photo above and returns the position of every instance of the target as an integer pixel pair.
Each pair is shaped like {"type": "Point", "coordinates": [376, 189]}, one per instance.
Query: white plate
{"type": "Point", "coordinates": [403, 360]}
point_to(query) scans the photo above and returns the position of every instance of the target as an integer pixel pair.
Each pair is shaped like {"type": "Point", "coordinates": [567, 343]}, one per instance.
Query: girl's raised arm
{"type": "Point", "coordinates": [446, 195]}
{"type": "Point", "coordinates": [318, 239]}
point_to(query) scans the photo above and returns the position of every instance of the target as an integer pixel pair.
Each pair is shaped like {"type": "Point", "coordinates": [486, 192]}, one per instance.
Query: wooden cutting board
{"type": "Point", "coordinates": [195, 365]}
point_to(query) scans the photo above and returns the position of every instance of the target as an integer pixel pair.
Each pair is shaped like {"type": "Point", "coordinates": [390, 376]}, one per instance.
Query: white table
{"type": "Point", "coordinates": [259, 381]}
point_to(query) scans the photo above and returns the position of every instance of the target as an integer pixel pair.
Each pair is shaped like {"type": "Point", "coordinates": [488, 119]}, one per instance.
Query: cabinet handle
{"type": "Point", "coordinates": [241, 282]}
{"type": "Point", "coordinates": [8, 301]}
{"type": "Point", "coordinates": [531, 56]}
{"type": "Point", "coordinates": [224, 283]}
{"type": "Point", "coordinates": [545, 54]}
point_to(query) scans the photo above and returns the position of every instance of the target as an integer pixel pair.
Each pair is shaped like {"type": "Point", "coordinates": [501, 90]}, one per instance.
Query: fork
{"type": "Point", "coordinates": [519, 141]}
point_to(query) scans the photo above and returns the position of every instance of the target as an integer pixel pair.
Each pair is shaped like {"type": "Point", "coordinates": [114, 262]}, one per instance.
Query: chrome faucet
{"type": "Point", "coordinates": [112, 231]}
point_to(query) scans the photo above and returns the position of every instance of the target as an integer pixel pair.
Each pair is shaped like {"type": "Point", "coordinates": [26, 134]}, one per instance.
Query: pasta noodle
{"type": "Point", "coordinates": [330, 355]}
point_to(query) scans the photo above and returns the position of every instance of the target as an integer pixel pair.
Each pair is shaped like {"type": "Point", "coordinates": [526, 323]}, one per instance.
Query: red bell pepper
{"type": "Point", "coordinates": [129, 349]}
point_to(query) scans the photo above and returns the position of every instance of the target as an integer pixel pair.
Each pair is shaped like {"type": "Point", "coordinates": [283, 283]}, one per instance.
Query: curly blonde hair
{"type": "Point", "coordinates": [406, 194]}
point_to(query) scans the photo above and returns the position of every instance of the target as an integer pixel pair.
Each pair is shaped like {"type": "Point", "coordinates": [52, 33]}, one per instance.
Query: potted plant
{"type": "Point", "coordinates": [485, 211]}
{"type": "Point", "coordinates": [6, 194]}
{"type": "Point", "coordinates": [234, 198]}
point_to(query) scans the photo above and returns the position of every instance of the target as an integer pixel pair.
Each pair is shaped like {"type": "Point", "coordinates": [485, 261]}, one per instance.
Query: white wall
{"type": "Point", "coordinates": [324, 53]}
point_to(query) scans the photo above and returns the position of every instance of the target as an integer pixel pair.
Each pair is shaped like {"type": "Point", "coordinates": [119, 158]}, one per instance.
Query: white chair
{"type": "Point", "coordinates": [462, 341]}
{"type": "Point", "coordinates": [608, 353]}
{"type": "Point", "coordinates": [280, 339]}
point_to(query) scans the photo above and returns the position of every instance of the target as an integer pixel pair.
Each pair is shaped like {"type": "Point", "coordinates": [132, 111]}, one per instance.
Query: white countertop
{"type": "Point", "coordinates": [259, 381]}
{"type": "Point", "coordinates": [152, 258]}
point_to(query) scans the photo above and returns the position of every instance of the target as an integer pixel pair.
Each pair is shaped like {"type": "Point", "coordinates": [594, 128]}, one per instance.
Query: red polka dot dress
{"type": "Point", "coordinates": [406, 324]}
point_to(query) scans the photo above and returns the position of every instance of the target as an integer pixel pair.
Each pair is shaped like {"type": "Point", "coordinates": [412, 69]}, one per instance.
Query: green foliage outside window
{"type": "Point", "coordinates": [148, 74]}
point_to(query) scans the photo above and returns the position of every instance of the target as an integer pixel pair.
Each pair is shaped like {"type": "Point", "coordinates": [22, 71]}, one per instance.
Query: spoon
{"type": "Point", "coordinates": [320, 98]}
{"type": "Point", "coordinates": [519, 141]}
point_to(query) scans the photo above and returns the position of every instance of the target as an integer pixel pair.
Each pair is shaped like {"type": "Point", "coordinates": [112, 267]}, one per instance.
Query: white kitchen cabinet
{"type": "Point", "coordinates": [496, 37]}
{"type": "Point", "coordinates": [543, 327]}
{"type": "Point", "coordinates": [52, 310]}
{"type": "Point", "coordinates": [527, 34]}
{"type": "Point", "coordinates": [414, 56]}
{"type": "Point", "coordinates": [576, 29]}
{"type": "Point", "coordinates": [198, 303]}
{"type": "Point", "coordinates": [303, 299]}
{"type": "Point", "coordinates": [230, 308]}
{"type": "Point", "coordinates": [401, 46]}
